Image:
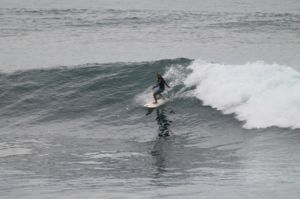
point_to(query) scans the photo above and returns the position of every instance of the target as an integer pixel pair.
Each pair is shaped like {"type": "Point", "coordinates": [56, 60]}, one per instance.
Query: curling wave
{"type": "Point", "coordinates": [260, 94]}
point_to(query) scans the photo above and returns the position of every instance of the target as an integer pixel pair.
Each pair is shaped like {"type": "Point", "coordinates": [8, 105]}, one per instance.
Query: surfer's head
{"type": "Point", "coordinates": [158, 76]}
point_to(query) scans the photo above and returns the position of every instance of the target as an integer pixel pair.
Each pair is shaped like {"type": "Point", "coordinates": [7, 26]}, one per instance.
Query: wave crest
{"type": "Point", "coordinates": [263, 95]}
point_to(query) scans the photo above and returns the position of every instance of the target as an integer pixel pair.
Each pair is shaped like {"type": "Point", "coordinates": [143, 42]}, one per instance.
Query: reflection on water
{"type": "Point", "coordinates": [175, 162]}
{"type": "Point", "coordinates": [159, 159]}
{"type": "Point", "coordinates": [163, 123]}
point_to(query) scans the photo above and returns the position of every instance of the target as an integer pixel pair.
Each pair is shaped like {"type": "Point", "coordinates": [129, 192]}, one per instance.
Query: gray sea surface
{"type": "Point", "coordinates": [49, 33]}
{"type": "Point", "coordinates": [74, 73]}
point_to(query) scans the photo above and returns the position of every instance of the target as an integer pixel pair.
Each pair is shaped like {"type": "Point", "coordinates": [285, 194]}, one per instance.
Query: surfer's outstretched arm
{"type": "Point", "coordinates": [167, 84]}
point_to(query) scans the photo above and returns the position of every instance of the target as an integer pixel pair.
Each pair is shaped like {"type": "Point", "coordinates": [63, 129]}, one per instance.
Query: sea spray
{"type": "Point", "coordinates": [260, 94]}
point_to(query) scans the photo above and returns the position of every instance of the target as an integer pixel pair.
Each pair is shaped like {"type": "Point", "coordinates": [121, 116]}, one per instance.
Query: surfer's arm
{"type": "Point", "coordinates": [155, 86]}
{"type": "Point", "coordinates": [167, 85]}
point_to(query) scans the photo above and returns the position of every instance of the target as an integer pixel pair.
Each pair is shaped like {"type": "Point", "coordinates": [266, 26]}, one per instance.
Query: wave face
{"type": "Point", "coordinates": [263, 95]}
{"type": "Point", "coordinates": [59, 94]}
{"type": "Point", "coordinates": [259, 94]}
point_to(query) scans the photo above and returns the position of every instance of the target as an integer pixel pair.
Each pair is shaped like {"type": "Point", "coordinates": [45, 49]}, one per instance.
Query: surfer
{"type": "Point", "coordinates": [160, 87]}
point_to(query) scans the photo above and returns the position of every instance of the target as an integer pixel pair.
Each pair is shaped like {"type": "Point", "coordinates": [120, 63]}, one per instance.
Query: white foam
{"type": "Point", "coordinates": [175, 75]}
{"type": "Point", "coordinates": [144, 97]}
{"type": "Point", "coordinates": [261, 94]}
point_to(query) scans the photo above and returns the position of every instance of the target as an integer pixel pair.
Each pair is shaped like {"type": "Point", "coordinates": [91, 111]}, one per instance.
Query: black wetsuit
{"type": "Point", "coordinates": [161, 84]}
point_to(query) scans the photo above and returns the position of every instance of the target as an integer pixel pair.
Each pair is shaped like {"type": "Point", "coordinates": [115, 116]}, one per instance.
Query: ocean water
{"type": "Point", "coordinates": [74, 76]}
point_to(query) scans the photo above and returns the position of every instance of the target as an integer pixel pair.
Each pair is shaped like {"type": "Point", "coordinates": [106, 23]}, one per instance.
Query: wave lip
{"type": "Point", "coordinates": [260, 94]}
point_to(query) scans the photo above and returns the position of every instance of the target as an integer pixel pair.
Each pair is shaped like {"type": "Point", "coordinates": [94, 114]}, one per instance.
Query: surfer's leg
{"type": "Point", "coordinates": [154, 96]}
{"type": "Point", "coordinates": [160, 94]}
{"type": "Point", "coordinates": [157, 92]}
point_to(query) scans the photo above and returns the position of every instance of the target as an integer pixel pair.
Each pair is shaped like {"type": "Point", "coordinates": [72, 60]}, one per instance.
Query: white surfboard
{"type": "Point", "coordinates": [159, 103]}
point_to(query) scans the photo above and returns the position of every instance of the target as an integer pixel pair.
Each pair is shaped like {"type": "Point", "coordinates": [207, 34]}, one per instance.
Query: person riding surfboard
{"type": "Point", "coordinates": [160, 87]}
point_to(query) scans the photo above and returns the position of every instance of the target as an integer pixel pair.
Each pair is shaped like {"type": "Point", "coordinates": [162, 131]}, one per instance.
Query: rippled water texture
{"type": "Point", "coordinates": [75, 75]}
{"type": "Point", "coordinates": [37, 34]}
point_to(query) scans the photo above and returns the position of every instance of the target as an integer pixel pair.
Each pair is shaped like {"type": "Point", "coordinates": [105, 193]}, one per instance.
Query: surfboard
{"type": "Point", "coordinates": [160, 102]}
